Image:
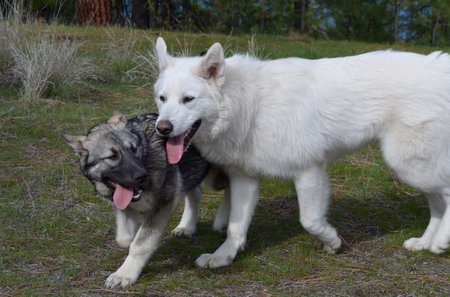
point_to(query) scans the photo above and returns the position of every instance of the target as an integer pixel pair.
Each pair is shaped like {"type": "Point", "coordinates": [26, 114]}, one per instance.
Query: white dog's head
{"type": "Point", "coordinates": [186, 92]}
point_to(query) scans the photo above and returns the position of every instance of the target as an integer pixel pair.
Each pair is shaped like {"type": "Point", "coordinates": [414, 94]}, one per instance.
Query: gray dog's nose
{"type": "Point", "coordinates": [164, 127]}
{"type": "Point", "coordinates": [140, 176]}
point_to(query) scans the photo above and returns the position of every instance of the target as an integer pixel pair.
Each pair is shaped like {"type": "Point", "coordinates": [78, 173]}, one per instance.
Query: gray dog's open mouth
{"type": "Point", "coordinates": [123, 196]}
{"type": "Point", "coordinates": [177, 145]}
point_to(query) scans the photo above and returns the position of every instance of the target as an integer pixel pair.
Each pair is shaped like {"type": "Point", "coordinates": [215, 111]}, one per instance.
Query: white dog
{"type": "Point", "coordinates": [290, 118]}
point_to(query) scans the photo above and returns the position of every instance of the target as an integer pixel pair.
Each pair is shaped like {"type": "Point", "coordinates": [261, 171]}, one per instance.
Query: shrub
{"type": "Point", "coordinates": [43, 66]}
{"type": "Point", "coordinates": [9, 36]}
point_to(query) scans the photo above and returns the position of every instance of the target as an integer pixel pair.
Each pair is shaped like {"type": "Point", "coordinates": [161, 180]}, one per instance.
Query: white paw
{"type": "Point", "coordinates": [333, 247]}
{"type": "Point", "coordinates": [124, 242]}
{"type": "Point", "coordinates": [220, 229]}
{"type": "Point", "coordinates": [119, 280]}
{"type": "Point", "coordinates": [438, 249]}
{"type": "Point", "coordinates": [220, 225]}
{"type": "Point", "coordinates": [183, 232]}
{"type": "Point", "coordinates": [213, 261]}
{"type": "Point", "coordinates": [416, 244]}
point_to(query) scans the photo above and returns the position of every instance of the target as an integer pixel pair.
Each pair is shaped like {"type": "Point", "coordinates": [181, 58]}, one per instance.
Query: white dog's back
{"type": "Point", "coordinates": [291, 112]}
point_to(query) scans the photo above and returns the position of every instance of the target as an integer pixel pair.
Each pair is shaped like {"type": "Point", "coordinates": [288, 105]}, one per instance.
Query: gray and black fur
{"type": "Point", "coordinates": [132, 154]}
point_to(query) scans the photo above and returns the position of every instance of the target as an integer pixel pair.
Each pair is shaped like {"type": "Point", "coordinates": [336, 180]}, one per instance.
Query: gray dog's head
{"type": "Point", "coordinates": [110, 157]}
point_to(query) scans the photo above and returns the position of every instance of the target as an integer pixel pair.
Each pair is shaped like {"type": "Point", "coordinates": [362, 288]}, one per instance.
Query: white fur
{"type": "Point", "coordinates": [127, 225]}
{"type": "Point", "coordinates": [188, 223]}
{"type": "Point", "coordinates": [290, 118]}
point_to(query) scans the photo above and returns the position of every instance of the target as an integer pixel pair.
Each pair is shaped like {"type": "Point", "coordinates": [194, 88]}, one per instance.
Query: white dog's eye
{"type": "Point", "coordinates": [187, 99]}
{"type": "Point", "coordinates": [162, 98]}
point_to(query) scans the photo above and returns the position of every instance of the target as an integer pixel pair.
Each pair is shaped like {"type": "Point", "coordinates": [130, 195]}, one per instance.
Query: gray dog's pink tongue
{"type": "Point", "coordinates": [122, 197]}
{"type": "Point", "coordinates": [175, 148]}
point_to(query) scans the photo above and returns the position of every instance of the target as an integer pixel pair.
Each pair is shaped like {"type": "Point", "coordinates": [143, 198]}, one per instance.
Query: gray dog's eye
{"type": "Point", "coordinates": [133, 148]}
{"type": "Point", "coordinates": [114, 155]}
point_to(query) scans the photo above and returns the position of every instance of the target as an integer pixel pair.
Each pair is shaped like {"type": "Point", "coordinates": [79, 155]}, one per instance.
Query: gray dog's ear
{"type": "Point", "coordinates": [75, 142]}
{"type": "Point", "coordinates": [161, 53]}
{"type": "Point", "coordinates": [118, 120]}
{"type": "Point", "coordinates": [213, 64]}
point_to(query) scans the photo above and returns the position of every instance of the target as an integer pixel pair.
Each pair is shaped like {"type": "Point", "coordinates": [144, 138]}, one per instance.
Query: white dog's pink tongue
{"type": "Point", "coordinates": [122, 197]}
{"type": "Point", "coordinates": [175, 148]}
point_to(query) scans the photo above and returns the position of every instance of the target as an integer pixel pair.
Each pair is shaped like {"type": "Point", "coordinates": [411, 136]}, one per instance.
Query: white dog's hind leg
{"type": "Point", "coordinates": [127, 224]}
{"type": "Point", "coordinates": [313, 198]}
{"type": "Point", "coordinates": [244, 197]}
{"type": "Point", "coordinates": [441, 239]}
{"type": "Point", "coordinates": [188, 223]}
{"type": "Point", "coordinates": [223, 213]}
{"type": "Point", "coordinates": [437, 207]}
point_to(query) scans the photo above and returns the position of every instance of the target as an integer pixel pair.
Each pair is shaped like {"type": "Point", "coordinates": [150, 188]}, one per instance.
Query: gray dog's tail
{"type": "Point", "coordinates": [216, 179]}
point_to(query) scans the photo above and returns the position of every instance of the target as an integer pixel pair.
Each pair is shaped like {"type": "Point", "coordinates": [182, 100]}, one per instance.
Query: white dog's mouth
{"type": "Point", "coordinates": [177, 145]}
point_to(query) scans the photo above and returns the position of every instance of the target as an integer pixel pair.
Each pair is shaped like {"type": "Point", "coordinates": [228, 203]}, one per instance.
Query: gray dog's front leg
{"type": "Point", "coordinates": [143, 246]}
{"type": "Point", "coordinates": [127, 225]}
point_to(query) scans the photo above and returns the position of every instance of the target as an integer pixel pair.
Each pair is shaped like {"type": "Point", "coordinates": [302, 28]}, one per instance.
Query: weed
{"type": "Point", "coordinates": [10, 19]}
{"type": "Point", "coordinates": [43, 66]}
{"type": "Point", "coordinates": [145, 63]}
{"type": "Point", "coordinates": [37, 61]}
{"type": "Point", "coordinates": [120, 51]}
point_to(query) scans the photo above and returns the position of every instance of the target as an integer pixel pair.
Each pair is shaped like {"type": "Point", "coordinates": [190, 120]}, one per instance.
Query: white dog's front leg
{"type": "Point", "coordinates": [142, 248]}
{"type": "Point", "coordinates": [188, 223]}
{"type": "Point", "coordinates": [437, 208]}
{"type": "Point", "coordinates": [244, 196]}
{"type": "Point", "coordinates": [313, 198]}
{"type": "Point", "coordinates": [127, 224]}
{"type": "Point", "coordinates": [441, 239]}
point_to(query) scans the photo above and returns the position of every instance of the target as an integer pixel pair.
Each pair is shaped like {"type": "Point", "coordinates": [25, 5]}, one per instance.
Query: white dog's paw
{"type": "Point", "coordinates": [416, 244]}
{"type": "Point", "coordinates": [183, 232]}
{"type": "Point", "coordinates": [120, 280]}
{"type": "Point", "coordinates": [438, 249]}
{"type": "Point", "coordinates": [333, 247]}
{"type": "Point", "coordinates": [213, 261]}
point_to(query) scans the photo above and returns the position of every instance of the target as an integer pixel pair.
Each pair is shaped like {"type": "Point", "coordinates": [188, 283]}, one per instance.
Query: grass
{"type": "Point", "coordinates": [57, 237]}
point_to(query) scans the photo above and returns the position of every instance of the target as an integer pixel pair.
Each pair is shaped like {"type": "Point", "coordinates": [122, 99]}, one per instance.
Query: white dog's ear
{"type": "Point", "coordinates": [75, 142]}
{"type": "Point", "coordinates": [213, 64]}
{"type": "Point", "coordinates": [161, 54]}
{"type": "Point", "coordinates": [118, 120]}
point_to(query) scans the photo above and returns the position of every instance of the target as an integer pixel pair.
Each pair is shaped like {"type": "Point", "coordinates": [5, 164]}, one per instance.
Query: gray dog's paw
{"type": "Point", "coordinates": [213, 260]}
{"type": "Point", "coordinates": [119, 280]}
{"type": "Point", "coordinates": [183, 232]}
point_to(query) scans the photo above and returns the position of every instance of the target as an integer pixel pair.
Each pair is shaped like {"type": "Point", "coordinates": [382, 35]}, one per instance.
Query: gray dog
{"type": "Point", "coordinates": [126, 163]}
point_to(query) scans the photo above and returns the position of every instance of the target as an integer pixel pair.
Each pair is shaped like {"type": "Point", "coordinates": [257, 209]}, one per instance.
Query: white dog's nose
{"type": "Point", "coordinates": [164, 127]}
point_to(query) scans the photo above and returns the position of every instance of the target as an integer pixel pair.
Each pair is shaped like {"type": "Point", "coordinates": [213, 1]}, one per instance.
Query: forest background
{"type": "Point", "coordinates": [418, 22]}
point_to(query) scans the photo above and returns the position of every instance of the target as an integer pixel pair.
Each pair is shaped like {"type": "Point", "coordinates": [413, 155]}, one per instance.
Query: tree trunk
{"type": "Point", "coordinates": [397, 9]}
{"type": "Point", "coordinates": [94, 12]}
{"type": "Point", "coordinates": [300, 10]}
{"type": "Point", "coordinates": [140, 14]}
{"type": "Point", "coordinates": [186, 14]}
{"type": "Point", "coordinates": [153, 13]}
{"type": "Point", "coordinates": [121, 12]}
{"type": "Point", "coordinates": [435, 29]}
